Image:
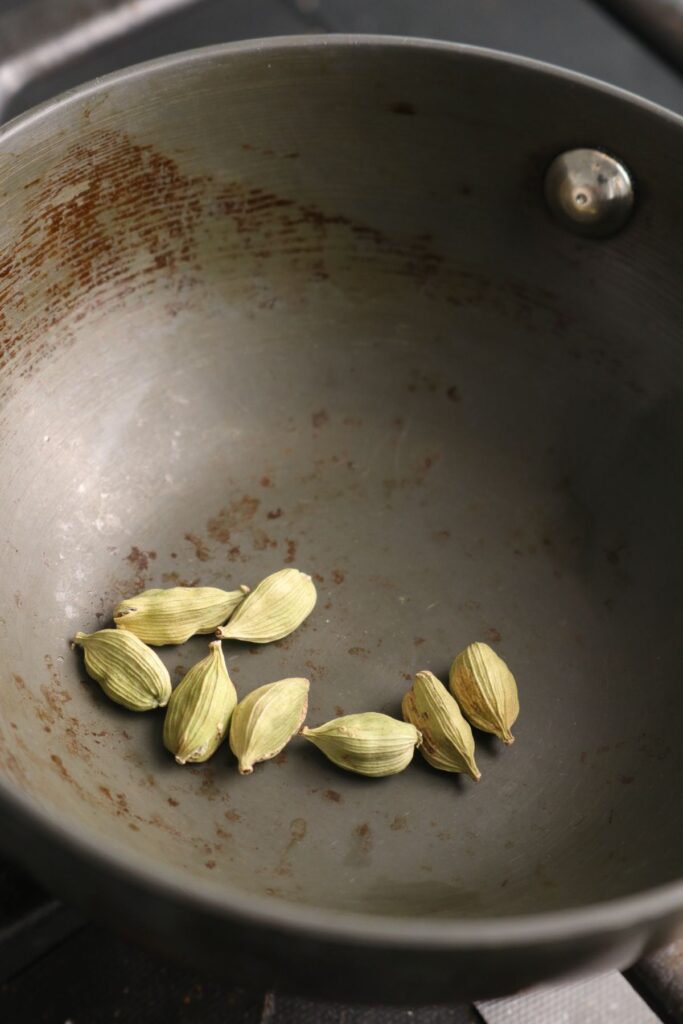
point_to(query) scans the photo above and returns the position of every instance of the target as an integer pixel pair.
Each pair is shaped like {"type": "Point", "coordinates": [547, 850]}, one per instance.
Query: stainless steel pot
{"type": "Point", "coordinates": [304, 302]}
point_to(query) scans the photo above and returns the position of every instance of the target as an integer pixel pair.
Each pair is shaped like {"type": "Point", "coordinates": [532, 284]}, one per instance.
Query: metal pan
{"type": "Point", "coordinates": [304, 302]}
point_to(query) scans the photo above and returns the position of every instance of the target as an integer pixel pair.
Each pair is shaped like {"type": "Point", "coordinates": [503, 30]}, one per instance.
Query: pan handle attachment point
{"type": "Point", "coordinates": [589, 192]}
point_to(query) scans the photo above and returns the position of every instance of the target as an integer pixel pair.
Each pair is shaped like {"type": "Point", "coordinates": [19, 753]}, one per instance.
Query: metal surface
{"type": "Point", "coordinates": [659, 23]}
{"type": "Point", "coordinates": [248, 320]}
{"type": "Point", "coordinates": [589, 192]}
{"type": "Point", "coordinates": [42, 35]}
{"type": "Point", "coordinates": [605, 1000]}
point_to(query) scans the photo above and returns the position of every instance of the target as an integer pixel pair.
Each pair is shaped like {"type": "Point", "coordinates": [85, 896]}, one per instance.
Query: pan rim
{"type": "Point", "coordinates": [274, 44]}
{"type": "Point", "coordinates": [649, 906]}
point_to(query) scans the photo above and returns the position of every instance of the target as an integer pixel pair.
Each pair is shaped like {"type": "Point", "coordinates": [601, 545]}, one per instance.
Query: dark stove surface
{"type": "Point", "coordinates": [58, 968]}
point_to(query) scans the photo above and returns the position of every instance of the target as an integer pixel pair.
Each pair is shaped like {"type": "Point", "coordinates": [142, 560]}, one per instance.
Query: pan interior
{"type": "Point", "coordinates": [235, 353]}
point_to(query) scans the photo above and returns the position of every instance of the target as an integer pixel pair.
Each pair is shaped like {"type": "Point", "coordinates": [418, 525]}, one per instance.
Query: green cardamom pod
{"type": "Point", "coordinates": [273, 610]}
{"type": "Point", "coordinates": [486, 690]}
{"type": "Point", "coordinates": [447, 740]}
{"type": "Point", "coordinates": [265, 721]}
{"type": "Point", "coordinates": [127, 670]}
{"type": "Point", "coordinates": [369, 743]}
{"type": "Point", "coordinates": [200, 708]}
{"type": "Point", "coordinates": [172, 616]}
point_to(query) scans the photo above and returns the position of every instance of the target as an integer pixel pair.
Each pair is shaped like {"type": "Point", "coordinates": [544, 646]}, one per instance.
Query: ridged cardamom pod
{"type": "Point", "coordinates": [265, 721]}
{"type": "Point", "coordinates": [485, 689]}
{"type": "Point", "coordinates": [172, 616]}
{"type": "Point", "coordinates": [369, 743]}
{"type": "Point", "coordinates": [127, 670]}
{"type": "Point", "coordinates": [200, 708]}
{"type": "Point", "coordinates": [447, 740]}
{"type": "Point", "coordinates": [273, 610]}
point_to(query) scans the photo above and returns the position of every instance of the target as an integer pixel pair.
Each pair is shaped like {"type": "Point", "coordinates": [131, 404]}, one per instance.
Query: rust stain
{"type": "Point", "coordinates": [297, 829]}
{"type": "Point", "coordinates": [274, 513]}
{"type": "Point", "coordinates": [339, 711]}
{"type": "Point", "coordinates": [234, 517]}
{"type": "Point", "coordinates": [493, 635]}
{"type": "Point", "coordinates": [400, 822]}
{"type": "Point", "coordinates": [61, 768]}
{"type": "Point", "coordinates": [291, 551]}
{"type": "Point", "coordinates": [200, 548]}
{"type": "Point", "coordinates": [265, 481]}
{"type": "Point", "coordinates": [316, 671]}
{"type": "Point", "coordinates": [107, 197]}
{"type": "Point", "coordinates": [418, 641]}
{"type": "Point", "coordinates": [338, 576]}
{"type": "Point", "coordinates": [232, 815]}
{"type": "Point", "coordinates": [319, 418]}
{"type": "Point", "coordinates": [333, 796]}
{"type": "Point", "coordinates": [452, 393]}
{"type": "Point", "coordinates": [363, 835]}
{"type": "Point", "coordinates": [359, 652]}
{"type": "Point", "coordinates": [173, 802]}
{"type": "Point", "coordinates": [139, 558]}
{"type": "Point", "coordinates": [261, 540]}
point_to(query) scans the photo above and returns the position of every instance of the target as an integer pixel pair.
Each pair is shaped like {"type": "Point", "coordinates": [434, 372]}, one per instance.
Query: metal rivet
{"type": "Point", "coordinates": [589, 192]}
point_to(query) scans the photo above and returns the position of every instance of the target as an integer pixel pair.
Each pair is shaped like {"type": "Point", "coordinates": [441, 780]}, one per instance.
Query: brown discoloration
{"type": "Point", "coordinates": [201, 550]}
{"type": "Point", "coordinates": [339, 711]}
{"type": "Point", "coordinates": [298, 828]}
{"type": "Point", "coordinates": [359, 652]}
{"type": "Point", "coordinates": [261, 540]}
{"type": "Point", "coordinates": [333, 796]}
{"type": "Point", "coordinates": [441, 535]}
{"type": "Point", "coordinates": [626, 780]}
{"type": "Point", "coordinates": [208, 787]}
{"type": "Point", "coordinates": [281, 758]}
{"type": "Point", "coordinates": [232, 815]}
{"type": "Point", "coordinates": [173, 802]}
{"type": "Point", "coordinates": [140, 559]}
{"type": "Point", "coordinates": [60, 766]}
{"type": "Point", "coordinates": [492, 635]}
{"type": "Point", "coordinates": [274, 513]}
{"type": "Point", "coordinates": [452, 393]}
{"type": "Point", "coordinates": [319, 418]}
{"type": "Point", "coordinates": [265, 481]}
{"type": "Point", "coordinates": [210, 864]}
{"type": "Point", "coordinates": [400, 822]}
{"type": "Point", "coordinates": [291, 551]}
{"type": "Point", "coordinates": [233, 518]}
{"type": "Point", "coordinates": [338, 576]}
{"type": "Point", "coordinates": [107, 196]}
{"type": "Point", "coordinates": [315, 670]}
{"type": "Point", "coordinates": [363, 836]}
{"type": "Point", "coordinates": [418, 641]}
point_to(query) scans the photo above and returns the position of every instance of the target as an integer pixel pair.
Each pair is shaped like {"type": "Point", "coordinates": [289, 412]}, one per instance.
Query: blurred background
{"type": "Point", "coordinates": [54, 965]}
